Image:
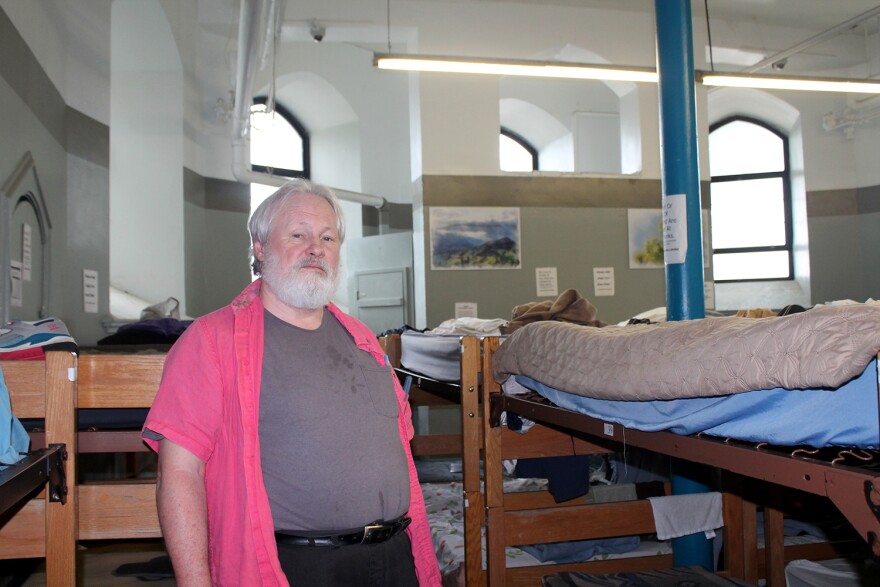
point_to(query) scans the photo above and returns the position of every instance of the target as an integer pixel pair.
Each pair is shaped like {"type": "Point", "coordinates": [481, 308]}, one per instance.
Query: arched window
{"type": "Point", "coordinates": [751, 202]}
{"type": "Point", "coordinates": [516, 153]}
{"type": "Point", "coordinates": [279, 145]}
{"type": "Point", "coordinates": [279, 142]}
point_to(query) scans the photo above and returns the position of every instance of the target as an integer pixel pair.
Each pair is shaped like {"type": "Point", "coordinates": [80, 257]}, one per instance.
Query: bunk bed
{"type": "Point", "coordinates": [456, 366]}
{"type": "Point", "coordinates": [515, 519]}
{"type": "Point", "coordinates": [824, 349]}
{"type": "Point", "coordinates": [114, 388]}
{"type": "Point", "coordinates": [458, 385]}
{"type": "Point", "coordinates": [35, 523]}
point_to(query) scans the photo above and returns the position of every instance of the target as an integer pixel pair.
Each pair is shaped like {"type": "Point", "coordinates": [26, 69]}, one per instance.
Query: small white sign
{"type": "Point", "coordinates": [465, 309]}
{"type": "Point", "coordinates": [675, 229]}
{"type": "Point", "coordinates": [603, 281]}
{"type": "Point", "coordinates": [15, 276]}
{"type": "Point", "coordinates": [546, 282]}
{"type": "Point", "coordinates": [709, 294]}
{"type": "Point", "coordinates": [608, 429]}
{"type": "Point", "coordinates": [26, 252]}
{"type": "Point", "coordinates": [90, 291]}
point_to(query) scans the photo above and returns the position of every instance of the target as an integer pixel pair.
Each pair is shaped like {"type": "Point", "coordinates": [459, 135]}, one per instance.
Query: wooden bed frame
{"type": "Point", "coordinates": [535, 518]}
{"type": "Point", "coordinates": [425, 391]}
{"type": "Point", "coordinates": [111, 510]}
{"type": "Point", "coordinates": [854, 491]}
{"type": "Point", "coordinates": [44, 526]}
{"type": "Point", "coordinates": [126, 509]}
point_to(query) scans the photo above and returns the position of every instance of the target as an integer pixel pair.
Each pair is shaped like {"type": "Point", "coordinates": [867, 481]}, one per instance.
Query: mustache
{"type": "Point", "coordinates": [319, 263]}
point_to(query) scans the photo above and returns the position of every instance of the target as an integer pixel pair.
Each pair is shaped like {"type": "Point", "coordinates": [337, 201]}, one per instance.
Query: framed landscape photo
{"type": "Point", "coordinates": [474, 238]}
{"type": "Point", "coordinates": [645, 238]}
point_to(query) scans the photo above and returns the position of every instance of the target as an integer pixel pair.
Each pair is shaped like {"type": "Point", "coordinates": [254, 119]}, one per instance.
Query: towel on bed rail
{"type": "Point", "coordinates": [823, 347]}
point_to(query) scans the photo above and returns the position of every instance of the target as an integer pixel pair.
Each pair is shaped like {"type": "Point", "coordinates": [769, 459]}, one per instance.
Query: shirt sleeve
{"type": "Point", "coordinates": [188, 406]}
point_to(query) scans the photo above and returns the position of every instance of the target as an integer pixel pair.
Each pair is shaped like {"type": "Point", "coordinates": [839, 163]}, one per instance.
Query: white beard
{"type": "Point", "coordinates": [298, 288]}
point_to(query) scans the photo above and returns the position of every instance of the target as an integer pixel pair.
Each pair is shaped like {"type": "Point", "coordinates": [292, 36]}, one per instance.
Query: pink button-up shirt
{"type": "Point", "coordinates": [208, 403]}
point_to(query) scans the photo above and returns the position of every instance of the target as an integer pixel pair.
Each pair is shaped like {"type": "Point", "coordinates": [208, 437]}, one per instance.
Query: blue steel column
{"type": "Point", "coordinates": [681, 175]}
{"type": "Point", "coordinates": [678, 153]}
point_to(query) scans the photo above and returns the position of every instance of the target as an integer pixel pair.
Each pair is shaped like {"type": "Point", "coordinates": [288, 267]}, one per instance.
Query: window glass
{"type": "Point", "coordinates": [750, 202]}
{"type": "Point", "coordinates": [259, 192]}
{"type": "Point", "coordinates": [515, 152]}
{"type": "Point", "coordinates": [751, 266]}
{"type": "Point", "coordinates": [748, 213]}
{"type": "Point", "coordinates": [514, 157]}
{"type": "Point", "coordinates": [741, 146]}
{"type": "Point", "coordinates": [275, 142]}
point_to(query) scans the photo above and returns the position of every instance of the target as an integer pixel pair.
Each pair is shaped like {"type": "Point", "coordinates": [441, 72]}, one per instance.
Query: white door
{"type": "Point", "coordinates": [381, 298]}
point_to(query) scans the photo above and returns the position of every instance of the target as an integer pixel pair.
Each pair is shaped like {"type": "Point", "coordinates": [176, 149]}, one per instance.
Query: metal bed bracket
{"type": "Point", "coordinates": [25, 477]}
{"type": "Point", "coordinates": [58, 473]}
{"type": "Point", "coordinates": [872, 497]}
{"type": "Point", "coordinates": [858, 499]}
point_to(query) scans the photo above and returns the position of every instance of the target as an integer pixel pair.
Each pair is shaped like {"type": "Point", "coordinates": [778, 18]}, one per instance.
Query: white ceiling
{"type": "Point", "coordinates": [743, 31]}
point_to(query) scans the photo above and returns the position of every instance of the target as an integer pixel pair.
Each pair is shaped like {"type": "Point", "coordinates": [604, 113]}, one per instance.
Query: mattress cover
{"type": "Point", "coordinates": [823, 347]}
{"type": "Point", "coordinates": [436, 355]}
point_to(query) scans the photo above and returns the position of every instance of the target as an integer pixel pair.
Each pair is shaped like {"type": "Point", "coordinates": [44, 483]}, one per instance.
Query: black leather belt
{"type": "Point", "coordinates": [374, 533]}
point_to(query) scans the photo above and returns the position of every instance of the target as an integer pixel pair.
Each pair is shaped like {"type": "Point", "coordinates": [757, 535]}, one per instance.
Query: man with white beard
{"type": "Point", "coordinates": [283, 435]}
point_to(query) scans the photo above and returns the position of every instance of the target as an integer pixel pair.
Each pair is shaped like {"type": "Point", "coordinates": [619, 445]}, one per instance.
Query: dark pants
{"type": "Point", "coordinates": [388, 564]}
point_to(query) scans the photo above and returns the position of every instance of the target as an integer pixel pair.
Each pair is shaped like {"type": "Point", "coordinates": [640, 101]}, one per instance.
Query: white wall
{"type": "Point", "coordinates": [146, 155]}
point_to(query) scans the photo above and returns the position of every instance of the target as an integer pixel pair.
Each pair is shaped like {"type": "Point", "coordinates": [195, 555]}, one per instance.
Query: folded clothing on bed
{"type": "Point", "coordinates": [581, 550]}
{"type": "Point", "coordinates": [567, 477]}
{"type": "Point", "coordinates": [568, 307]}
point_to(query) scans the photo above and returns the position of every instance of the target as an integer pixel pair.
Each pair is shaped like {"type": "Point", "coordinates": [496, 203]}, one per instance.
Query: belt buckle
{"type": "Point", "coordinates": [368, 531]}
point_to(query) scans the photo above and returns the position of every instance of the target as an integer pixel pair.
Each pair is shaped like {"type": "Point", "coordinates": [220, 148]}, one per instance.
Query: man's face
{"type": "Point", "coordinates": [301, 259]}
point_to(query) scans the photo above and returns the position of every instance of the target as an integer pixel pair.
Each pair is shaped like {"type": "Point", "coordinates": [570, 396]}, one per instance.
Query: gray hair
{"type": "Point", "coordinates": [260, 224]}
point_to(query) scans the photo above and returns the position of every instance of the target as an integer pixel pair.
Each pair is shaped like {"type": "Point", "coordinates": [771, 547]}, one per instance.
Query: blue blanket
{"type": "Point", "coordinates": [846, 416]}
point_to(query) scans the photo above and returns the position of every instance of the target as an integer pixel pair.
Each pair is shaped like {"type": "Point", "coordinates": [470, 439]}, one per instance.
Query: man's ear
{"type": "Point", "coordinates": [258, 251]}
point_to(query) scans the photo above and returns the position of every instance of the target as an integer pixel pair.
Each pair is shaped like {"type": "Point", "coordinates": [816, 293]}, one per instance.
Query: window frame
{"type": "Point", "coordinates": [785, 176]}
{"type": "Point", "coordinates": [522, 142]}
{"type": "Point", "coordinates": [287, 115]}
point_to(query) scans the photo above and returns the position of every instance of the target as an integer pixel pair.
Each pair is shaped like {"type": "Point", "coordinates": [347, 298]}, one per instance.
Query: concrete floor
{"type": "Point", "coordinates": [96, 564]}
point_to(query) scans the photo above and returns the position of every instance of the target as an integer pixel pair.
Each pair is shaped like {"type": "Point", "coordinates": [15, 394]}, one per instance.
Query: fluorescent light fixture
{"type": "Point", "coordinates": [561, 69]}
{"type": "Point", "coordinates": [558, 69]}
{"type": "Point", "coordinates": [776, 82]}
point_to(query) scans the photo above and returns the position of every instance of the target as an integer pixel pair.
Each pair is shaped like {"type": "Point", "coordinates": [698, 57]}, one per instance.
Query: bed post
{"type": "Point", "coordinates": [391, 345]}
{"type": "Point", "coordinates": [61, 429]}
{"type": "Point", "coordinates": [495, 563]}
{"type": "Point", "coordinates": [474, 511]}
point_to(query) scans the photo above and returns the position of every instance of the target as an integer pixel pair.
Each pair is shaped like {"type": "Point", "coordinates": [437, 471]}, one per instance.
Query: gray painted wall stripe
{"type": "Point", "coordinates": [87, 138]}
{"type": "Point", "coordinates": [21, 70]}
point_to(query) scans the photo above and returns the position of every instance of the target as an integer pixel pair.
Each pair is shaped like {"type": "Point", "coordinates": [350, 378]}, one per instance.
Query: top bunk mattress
{"type": "Point", "coordinates": [823, 347]}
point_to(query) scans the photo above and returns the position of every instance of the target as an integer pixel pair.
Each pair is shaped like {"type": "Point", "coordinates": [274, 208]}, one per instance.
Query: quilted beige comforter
{"type": "Point", "coordinates": [822, 347]}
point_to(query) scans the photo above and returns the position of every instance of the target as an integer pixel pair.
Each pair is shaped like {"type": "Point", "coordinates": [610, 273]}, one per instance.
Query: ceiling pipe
{"type": "Point", "coordinates": [249, 25]}
{"type": "Point", "coordinates": [832, 32]}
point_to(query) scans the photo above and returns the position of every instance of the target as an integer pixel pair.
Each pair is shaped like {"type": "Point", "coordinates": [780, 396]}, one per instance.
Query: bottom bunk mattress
{"type": "Point", "coordinates": [434, 355]}
{"type": "Point", "coordinates": [444, 503]}
{"type": "Point", "coordinates": [846, 416]}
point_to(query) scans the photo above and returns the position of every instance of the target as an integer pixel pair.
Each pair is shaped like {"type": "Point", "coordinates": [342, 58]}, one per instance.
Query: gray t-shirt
{"type": "Point", "coordinates": [331, 451]}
